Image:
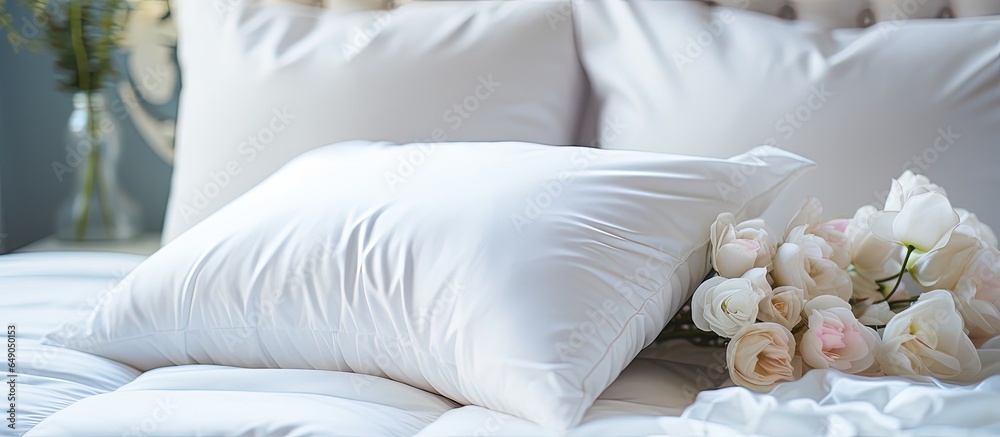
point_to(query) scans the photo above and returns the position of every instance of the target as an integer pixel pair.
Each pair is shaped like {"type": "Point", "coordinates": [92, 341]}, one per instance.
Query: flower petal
{"type": "Point", "coordinates": [825, 302]}
{"type": "Point", "coordinates": [880, 224]}
{"type": "Point", "coordinates": [809, 215]}
{"type": "Point", "coordinates": [925, 221]}
{"type": "Point", "coordinates": [894, 202]}
{"type": "Point", "coordinates": [943, 267]}
{"type": "Point", "coordinates": [735, 259]}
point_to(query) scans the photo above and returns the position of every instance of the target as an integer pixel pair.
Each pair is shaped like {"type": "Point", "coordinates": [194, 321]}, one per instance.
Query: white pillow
{"type": "Point", "coordinates": [266, 82]}
{"type": "Point", "coordinates": [515, 276]}
{"type": "Point", "coordinates": [681, 77]}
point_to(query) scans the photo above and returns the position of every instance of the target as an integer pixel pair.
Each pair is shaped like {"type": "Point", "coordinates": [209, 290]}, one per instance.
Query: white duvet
{"type": "Point", "coordinates": [64, 392]}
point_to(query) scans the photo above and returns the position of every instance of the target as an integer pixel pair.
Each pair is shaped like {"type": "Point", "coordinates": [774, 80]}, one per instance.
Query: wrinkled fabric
{"type": "Point", "coordinates": [40, 290]}
{"type": "Point", "coordinates": [264, 83]}
{"type": "Point", "coordinates": [827, 402]}
{"type": "Point", "coordinates": [516, 276]}
{"type": "Point", "coordinates": [866, 104]}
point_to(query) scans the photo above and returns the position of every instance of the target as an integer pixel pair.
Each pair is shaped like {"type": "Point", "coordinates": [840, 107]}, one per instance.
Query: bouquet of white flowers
{"type": "Point", "coordinates": [830, 295]}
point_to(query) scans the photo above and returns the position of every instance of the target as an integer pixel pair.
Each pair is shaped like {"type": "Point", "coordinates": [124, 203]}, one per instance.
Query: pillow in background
{"type": "Point", "coordinates": [264, 83]}
{"type": "Point", "coordinates": [514, 276]}
{"type": "Point", "coordinates": [924, 95]}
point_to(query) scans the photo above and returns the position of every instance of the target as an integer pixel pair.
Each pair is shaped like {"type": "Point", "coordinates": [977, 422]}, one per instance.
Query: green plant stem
{"type": "Point", "coordinates": [898, 303]}
{"type": "Point", "coordinates": [899, 278]}
{"type": "Point", "coordinates": [79, 45]}
{"type": "Point", "coordinates": [88, 190]}
{"type": "Point", "coordinates": [92, 183]}
{"type": "Point", "coordinates": [83, 78]}
{"type": "Point", "coordinates": [102, 195]}
{"type": "Point", "coordinates": [88, 187]}
{"type": "Point", "coordinates": [879, 281]}
{"type": "Point", "coordinates": [99, 189]}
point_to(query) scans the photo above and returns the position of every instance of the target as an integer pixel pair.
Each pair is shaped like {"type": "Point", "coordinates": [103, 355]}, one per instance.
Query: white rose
{"type": "Point", "coordinates": [977, 296]}
{"type": "Point", "coordinates": [925, 222]}
{"type": "Point", "coordinates": [928, 339]}
{"type": "Point", "coordinates": [876, 315]}
{"type": "Point", "coordinates": [832, 232]}
{"type": "Point", "coordinates": [873, 258]}
{"type": "Point", "coordinates": [758, 279]}
{"type": "Point", "coordinates": [945, 265]}
{"type": "Point", "coordinates": [737, 248]}
{"type": "Point", "coordinates": [760, 355]}
{"type": "Point", "coordinates": [783, 305]}
{"type": "Point", "coordinates": [908, 185]}
{"type": "Point", "coordinates": [725, 306]}
{"type": "Point", "coordinates": [834, 338]}
{"type": "Point", "coordinates": [803, 261]}
{"type": "Point", "coordinates": [982, 231]}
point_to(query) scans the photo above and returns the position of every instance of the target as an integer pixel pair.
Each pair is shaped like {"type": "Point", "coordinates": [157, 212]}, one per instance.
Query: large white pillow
{"type": "Point", "coordinates": [682, 77]}
{"type": "Point", "coordinates": [266, 82]}
{"type": "Point", "coordinates": [515, 276]}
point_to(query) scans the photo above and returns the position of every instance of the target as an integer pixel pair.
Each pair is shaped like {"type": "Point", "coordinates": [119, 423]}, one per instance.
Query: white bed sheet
{"type": "Point", "coordinates": [95, 396]}
{"type": "Point", "coordinates": [823, 403]}
{"type": "Point", "coordinates": [38, 292]}
{"type": "Point", "coordinates": [654, 395]}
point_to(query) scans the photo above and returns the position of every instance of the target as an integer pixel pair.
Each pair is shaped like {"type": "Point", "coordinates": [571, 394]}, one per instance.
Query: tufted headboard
{"type": "Point", "coordinates": [864, 13]}
{"type": "Point", "coordinates": [830, 13]}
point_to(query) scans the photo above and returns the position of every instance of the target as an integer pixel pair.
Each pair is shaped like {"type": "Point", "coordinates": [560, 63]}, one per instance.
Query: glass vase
{"type": "Point", "coordinates": [98, 208]}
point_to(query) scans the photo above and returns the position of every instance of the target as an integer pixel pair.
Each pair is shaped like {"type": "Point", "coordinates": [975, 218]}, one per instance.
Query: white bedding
{"type": "Point", "coordinates": [651, 397]}
{"type": "Point", "coordinates": [38, 292]}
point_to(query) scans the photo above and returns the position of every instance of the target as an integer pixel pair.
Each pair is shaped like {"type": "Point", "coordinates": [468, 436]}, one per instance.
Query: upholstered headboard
{"type": "Point", "coordinates": [864, 13]}
{"type": "Point", "coordinates": [831, 13]}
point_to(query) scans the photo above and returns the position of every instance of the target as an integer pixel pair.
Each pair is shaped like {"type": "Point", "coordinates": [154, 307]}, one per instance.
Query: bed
{"type": "Point", "coordinates": [243, 221]}
{"type": "Point", "coordinates": [655, 395]}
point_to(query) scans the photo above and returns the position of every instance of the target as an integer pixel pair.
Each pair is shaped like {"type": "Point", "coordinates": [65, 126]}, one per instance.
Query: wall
{"type": "Point", "coordinates": [33, 116]}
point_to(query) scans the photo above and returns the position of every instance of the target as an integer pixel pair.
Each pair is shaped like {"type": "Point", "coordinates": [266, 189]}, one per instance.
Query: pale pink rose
{"type": "Point", "coordinates": [837, 240]}
{"type": "Point", "coordinates": [737, 248]}
{"type": "Point", "coordinates": [761, 355]}
{"type": "Point", "coordinates": [839, 225]}
{"type": "Point", "coordinates": [835, 339]}
{"type": "Point", "coordinates": [810, 216]}
{"type": "Point", "coordinates": [803, 261]}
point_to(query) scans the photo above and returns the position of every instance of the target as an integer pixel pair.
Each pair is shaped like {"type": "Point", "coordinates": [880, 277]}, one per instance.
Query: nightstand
{"type": "Point", "coordinates": [144, 244]}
